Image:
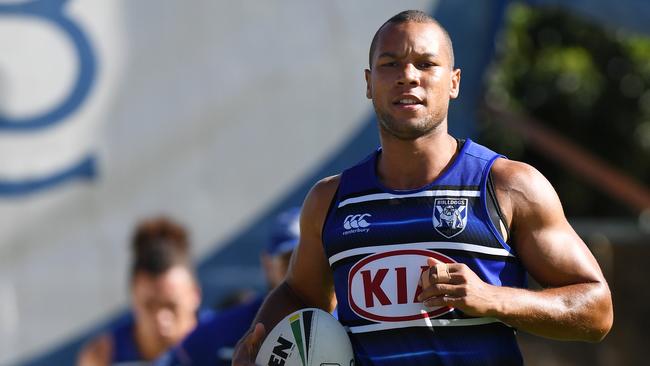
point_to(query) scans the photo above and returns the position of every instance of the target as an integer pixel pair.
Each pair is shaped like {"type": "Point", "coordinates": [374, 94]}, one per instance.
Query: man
{"type": "Point", "coordinates": [212, 342]}
{"type": "Point", "coordinates": [411, 287]}
{"type": "Point", "coordinates": [164, 297]}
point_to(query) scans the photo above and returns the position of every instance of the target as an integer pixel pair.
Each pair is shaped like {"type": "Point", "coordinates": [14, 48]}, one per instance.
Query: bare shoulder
{"type": "Point", "coordinates": [325, 188]}
{"type": "Point", "coordinates": [547, 245]}
{"type": "Point", "coordinates": [516, 176]}
{"type": "Point", "coordinates": [96, 352]}
{"type": "Point", "coordinates": [318, 201]}
{"type": "Point", "coordinates": [523, 191]}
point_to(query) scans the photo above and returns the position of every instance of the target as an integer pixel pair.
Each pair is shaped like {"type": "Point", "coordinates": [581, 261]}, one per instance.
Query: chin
{"type": "Point", "coordinates": [406, 133]}
{"type": "Point", "coordinates": [168, 341]}
{"type": "Point", "coordinates": [409, 128]}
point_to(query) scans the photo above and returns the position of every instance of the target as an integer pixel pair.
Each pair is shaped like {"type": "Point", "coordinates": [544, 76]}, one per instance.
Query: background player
{"type": "Point", "coordinates": [164, 298]}
{"type": "Point", "coordinates": [212, 342]}
{"type": "Point", "coordinates": [472, 301]}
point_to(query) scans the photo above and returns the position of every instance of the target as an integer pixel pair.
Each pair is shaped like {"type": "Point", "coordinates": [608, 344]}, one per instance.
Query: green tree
{"type": "Point", "coordinates": [583, 81]}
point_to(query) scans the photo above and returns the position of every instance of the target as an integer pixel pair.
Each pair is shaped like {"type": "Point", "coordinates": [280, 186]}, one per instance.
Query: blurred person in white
{"type": "Point", "coordinates": [165, 299]}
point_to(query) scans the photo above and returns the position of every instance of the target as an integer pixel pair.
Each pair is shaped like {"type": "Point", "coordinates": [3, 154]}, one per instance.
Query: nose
{"type": "Point", "coordinates": [409, 75]}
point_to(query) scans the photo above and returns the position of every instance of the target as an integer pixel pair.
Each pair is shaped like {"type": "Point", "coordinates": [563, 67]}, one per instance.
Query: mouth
{"type": "Point", "coordinates": [408, 102]}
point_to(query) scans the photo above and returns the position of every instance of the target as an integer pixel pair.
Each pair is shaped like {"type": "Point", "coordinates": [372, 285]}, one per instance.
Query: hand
{"type": "Point", "coordinates": [457, 286]}
{"type": "Point", "coordinates": [247, 347]}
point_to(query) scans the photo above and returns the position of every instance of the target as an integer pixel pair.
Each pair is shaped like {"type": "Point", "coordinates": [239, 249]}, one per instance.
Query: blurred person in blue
{"type": "Point", "coordinates": [165, 298]}
{"type": "Point", "coordinates": [212, 342]}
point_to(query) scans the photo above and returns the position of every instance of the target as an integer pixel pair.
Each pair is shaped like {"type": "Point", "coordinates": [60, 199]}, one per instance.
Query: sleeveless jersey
{"type": "Point", "coordinates": [377, 241]}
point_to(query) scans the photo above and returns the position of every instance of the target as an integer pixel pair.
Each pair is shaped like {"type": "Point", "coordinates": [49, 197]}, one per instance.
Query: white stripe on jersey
{"type": "Point", "coordinates": [389, 196]}
{"type": "Point", "coordinates": [426, 322]}
{"type": "Point", "coordinates": [426, 245]}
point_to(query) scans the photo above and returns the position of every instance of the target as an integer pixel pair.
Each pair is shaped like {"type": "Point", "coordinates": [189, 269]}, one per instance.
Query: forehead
{"type": "Point", "coordinates": [173, 283]}
{"type": "Point", "coordinates": [411, 37]}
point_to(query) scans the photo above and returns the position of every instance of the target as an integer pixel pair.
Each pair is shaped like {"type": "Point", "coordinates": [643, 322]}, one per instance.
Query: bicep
{"type": "Point", "coordinates": [554, 255]}
{"type": "Point", "coordinates": [309, 274]}
{"type": "Point", "coordinates": [550, 250]}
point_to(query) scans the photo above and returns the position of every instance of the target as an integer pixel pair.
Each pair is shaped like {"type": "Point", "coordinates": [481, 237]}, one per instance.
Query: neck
{"type": "Point", "coordinates": [147, 345]}
{"type": "Point", "coordinates": [410, 164]}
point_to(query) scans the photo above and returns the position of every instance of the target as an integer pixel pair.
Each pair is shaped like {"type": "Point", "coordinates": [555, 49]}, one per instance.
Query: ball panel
{"type": "Point", "coordinates": [304, 338]}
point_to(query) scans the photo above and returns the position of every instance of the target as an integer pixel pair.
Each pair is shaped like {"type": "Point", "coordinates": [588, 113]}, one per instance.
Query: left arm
{"type": "Point", "coordinates": [575, 303]}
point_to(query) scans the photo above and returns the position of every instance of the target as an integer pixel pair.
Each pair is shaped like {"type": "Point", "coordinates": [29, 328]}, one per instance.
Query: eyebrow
{"type": "Point", "coordinates": [387, 54]}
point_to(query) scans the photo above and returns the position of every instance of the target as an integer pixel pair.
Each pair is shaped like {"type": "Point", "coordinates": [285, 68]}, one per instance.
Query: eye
{"type": "Point", "coordinates": [173, 307]}
{"type": "Point", "coordinates": [425, 65]}
{"type": "Point", "coordinates": [388, 64]}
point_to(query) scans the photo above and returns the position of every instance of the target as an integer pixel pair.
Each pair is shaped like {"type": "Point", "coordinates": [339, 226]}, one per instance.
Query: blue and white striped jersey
{"type": "Point", "coordinates": [377, 241]}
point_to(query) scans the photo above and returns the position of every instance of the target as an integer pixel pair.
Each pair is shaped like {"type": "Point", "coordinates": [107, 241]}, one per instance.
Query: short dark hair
{"type": "Point", "coordinates": [159, 244]}
{"type": "Point", "coordinates": [416, 16]}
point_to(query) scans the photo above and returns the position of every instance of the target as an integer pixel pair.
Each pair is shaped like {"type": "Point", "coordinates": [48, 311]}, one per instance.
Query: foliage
{"type": "Point", "coordinates": [586, 82]}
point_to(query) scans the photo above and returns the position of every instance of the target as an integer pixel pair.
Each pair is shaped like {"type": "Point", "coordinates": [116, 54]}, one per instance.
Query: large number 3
{"type": "Point", "coordinates": [52, 11]}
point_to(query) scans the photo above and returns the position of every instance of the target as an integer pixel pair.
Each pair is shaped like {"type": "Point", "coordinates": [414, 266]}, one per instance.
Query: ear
{"type": "Point", "coordinates": [454, 90]}
{"type": "Point", "coordinates": [366, 73]}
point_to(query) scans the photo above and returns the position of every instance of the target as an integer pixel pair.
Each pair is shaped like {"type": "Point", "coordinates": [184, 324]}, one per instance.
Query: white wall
{"type": "Point", "coordinates": [204, 110]}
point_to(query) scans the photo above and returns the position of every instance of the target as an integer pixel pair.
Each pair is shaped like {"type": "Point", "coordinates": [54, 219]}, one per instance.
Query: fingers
{"type": "Point", "coordinates": [258, 334]}
{"type": "Point", "coordinates": [247, 349]}
{"type": "Point", "coordinates": [438, 283]}
{"type": "Point", "coordinates": [438, 289]}
{"type": "Point", "coordinates": [442, 300]}
{"type": "Point", "coordinates": [442, 272]}
{"type": "Point", "coordinates": [441, 294]}
{"type": "Point", "coordinates": [438, 272]}
{"type": "Point", "coordinates": [425, 277]}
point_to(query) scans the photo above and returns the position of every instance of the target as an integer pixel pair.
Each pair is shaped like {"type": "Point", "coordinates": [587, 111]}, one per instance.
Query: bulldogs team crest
{"type": "Point", "coordinates": [450, 216]}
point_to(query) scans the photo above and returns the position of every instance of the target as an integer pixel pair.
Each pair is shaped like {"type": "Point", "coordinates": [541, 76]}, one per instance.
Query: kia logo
{"type": "Point", "coordinates": [385, 286]}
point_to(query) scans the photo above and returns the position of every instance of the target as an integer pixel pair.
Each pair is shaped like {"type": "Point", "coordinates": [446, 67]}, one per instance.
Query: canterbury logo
{"type": "Point", "coordinates": [356, 221]}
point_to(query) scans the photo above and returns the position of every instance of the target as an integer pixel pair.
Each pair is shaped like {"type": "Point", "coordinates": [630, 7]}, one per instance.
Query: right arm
{"type": "Point", "coordinates": [308, 282]}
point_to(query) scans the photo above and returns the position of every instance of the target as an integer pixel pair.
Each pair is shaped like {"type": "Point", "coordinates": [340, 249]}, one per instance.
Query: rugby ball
{"type": "Point", "coordinates": [307, 337]}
